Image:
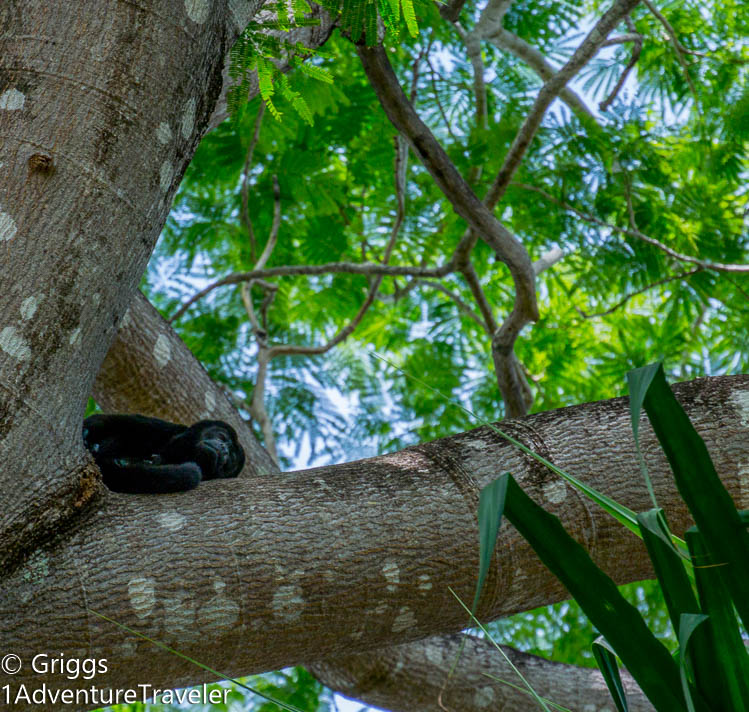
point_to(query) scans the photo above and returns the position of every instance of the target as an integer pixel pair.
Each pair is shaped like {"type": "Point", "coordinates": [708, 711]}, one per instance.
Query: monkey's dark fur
{"type": "Point", "coordinates": [137, 454]}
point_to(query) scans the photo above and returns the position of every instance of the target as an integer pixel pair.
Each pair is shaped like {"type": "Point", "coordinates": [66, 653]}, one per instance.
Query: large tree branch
{"type": "Point", "coordinates": [238, 563]}
{"type": "Point", "coordinates": [417, 676]}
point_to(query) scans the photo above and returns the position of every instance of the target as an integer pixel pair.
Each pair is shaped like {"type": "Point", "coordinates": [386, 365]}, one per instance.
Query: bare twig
{"type": "Point", "coordinates": [549, 92]}
{"type": "Point", "coordinates": [472, 279]}
{"type": "Point", "coordinates": [636, 50]}
{"type": "Point", "coordinates": [432, 74]}
{"type": "Point", "coordinates": [454, 296]}
{"type": "Point", "coordinates": [548, 259]}
{"type": "Point", "coordinates": [622, 302]}
{"type": "Point", "coordinates": [311, 270]}
{"type": "Point", "coordinates": [703, 264]}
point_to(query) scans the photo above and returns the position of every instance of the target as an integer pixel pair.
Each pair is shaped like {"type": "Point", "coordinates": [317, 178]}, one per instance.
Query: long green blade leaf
{"type": "Point", "coordinates": [609, 668]}
{"type": "Point", "coordinates": [491, 508]}
{"type": "Point", "coordinates": [645, 657]}
{"type": "Point", "coordinates": [724, 677]}
{"type": "Point", "coordinates": [708, 500]}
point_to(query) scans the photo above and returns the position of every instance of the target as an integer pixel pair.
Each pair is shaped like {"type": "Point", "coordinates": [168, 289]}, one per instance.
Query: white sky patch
{"type": "Point", "coordinates": [8, 227]}
{"type": "Point", "coordinates": [14, 344]}
{"type": "Point", "coordinates": [29, 306]}
{"type": "Point", "coordinates": [164, 133]}
{"type": "Point", "coordinates": [142, 594]}
{"type": "Point", "coordinates": [555, 492]}
{"type": "Point", "coordinates": [162, 350]}
{"type": "Point", "coordinates": [12, 100]}
{"type": "Point", "coordinates": [188, 118]}
{"type": "Point", "coordinates": [197, 10]}
{"type": "Point", "coordinates": [166, 173]}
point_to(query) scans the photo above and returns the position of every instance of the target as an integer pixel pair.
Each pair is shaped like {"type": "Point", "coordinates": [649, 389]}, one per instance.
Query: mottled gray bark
{"type": "Point", "coordinates": [102, 104]}
{"type": "Point", "coordinates": [416, 676]}
{"type": "Point", "coordinates": [264, 572]}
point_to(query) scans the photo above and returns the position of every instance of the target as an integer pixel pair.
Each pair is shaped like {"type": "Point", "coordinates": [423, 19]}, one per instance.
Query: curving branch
{"type": "Point", "coordinates": [631, 232]}
{"type": "Point", "coordinates": [635, 37]}
{"type": "Point", "coordinates": [647, 287]}
{"type": "Point", "coordinates": [371, 268]}
{"type": "Point", "coordinates": [590, 45]}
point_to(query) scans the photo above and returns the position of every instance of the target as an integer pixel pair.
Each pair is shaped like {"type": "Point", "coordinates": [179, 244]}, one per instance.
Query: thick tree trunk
{"type": "Point", "coordinates": [103, 105]}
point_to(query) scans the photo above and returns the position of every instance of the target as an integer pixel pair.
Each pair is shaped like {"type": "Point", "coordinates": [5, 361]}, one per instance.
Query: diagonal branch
{"type": "Point", "coordinates": [590, 45]}
{"type": "Point", "coordinates": [464, 201]}
{"type": "Point", "coordinates": [631, 232]}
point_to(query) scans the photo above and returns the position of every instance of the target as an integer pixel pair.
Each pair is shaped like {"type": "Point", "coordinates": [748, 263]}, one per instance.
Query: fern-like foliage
{"type": "Point", "coordinates": [263, 46]}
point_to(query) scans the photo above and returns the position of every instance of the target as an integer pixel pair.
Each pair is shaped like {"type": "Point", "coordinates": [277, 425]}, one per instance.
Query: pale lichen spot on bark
{"type": "Point", "coordinates": [126, 320]}
{"type": "Point", "coordinates": [12, 100]}
{"type": "Point", "coordinates": [171, 521]}
{"type": "Point", "coordinates": [96, 298]}
{"type": "Point", "coordinates": [434, 655]}
{"type": "Point", "coordinates": [399, 666]}
{"type": "Point", "coordinates": [288, 602]}
{"type": "Point", "coordinates": [197, 10]}
{"type": "Point", "coordinates": [381, 609]}
{"type": "Point", "coordinates": [30, 305]}
{"type": "Point", "coordinates": [241, 13]}
{"type": "Point", "coordinates": [142, 594]}
{"type": "Point", "coordinates": [166, 173]}
{"type": "Point", "coordinates": [220, 613]}
{"type": "Point", "coordinates": [743, 473]}
{"type": "Point", "coordinates": [391, 572]}
{"type": "Point", "coordinates": [404, 620]}
{"type": "Point", "coordinates": [162, 350]}
{"type": "Point", "coordinates": [14, 344]}
{"type": "Point", "coordinates": [424, 583]}
{"type": "Point", "coordinates": [483, 697]}
{"type": "Point", "coordinates": [209, 399]}
{"type": "Point", "coordinates": [8, 227]}
{"type": "Point", "coordinates": [75, 337]}
{"type": "Point", "coordinates": [37, 568]}
{"type": "Point", "coordinates": [164, 133]}
{"type": "Point", "coordinates": [188, 118]}
{"type": "Point", "coordinates": [740, 399]}
{"type": "Point", "coordinates": [128, 649]}
{"type": "Point", "coordinates": [555, 492]}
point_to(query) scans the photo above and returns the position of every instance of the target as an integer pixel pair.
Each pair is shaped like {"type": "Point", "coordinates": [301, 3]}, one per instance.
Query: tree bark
{"type": "Point", "coordinates": [416, 676]}
{"type": "Point", "coordinates": [350, 557]}
{"type": "Point", "coordinates": [102, 110]}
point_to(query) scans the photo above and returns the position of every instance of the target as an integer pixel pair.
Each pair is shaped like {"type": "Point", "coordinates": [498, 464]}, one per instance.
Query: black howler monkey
{"type": "Point", "coordinates": [137, 454]}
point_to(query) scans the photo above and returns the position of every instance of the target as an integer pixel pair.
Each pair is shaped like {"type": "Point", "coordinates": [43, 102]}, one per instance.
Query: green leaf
{"type": "Point", "coordinates": [639, 381]}
{"type": "Point", "coordinates": [491, 507]}
{"type": "Point", "coordinates": [698, 483]}
{"type": "Point", "coordinates": [609, 668]}
{"type": "Point", "coordinates": [644, 656]}
{"type": "Point", "coordinates": [723, 673]}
